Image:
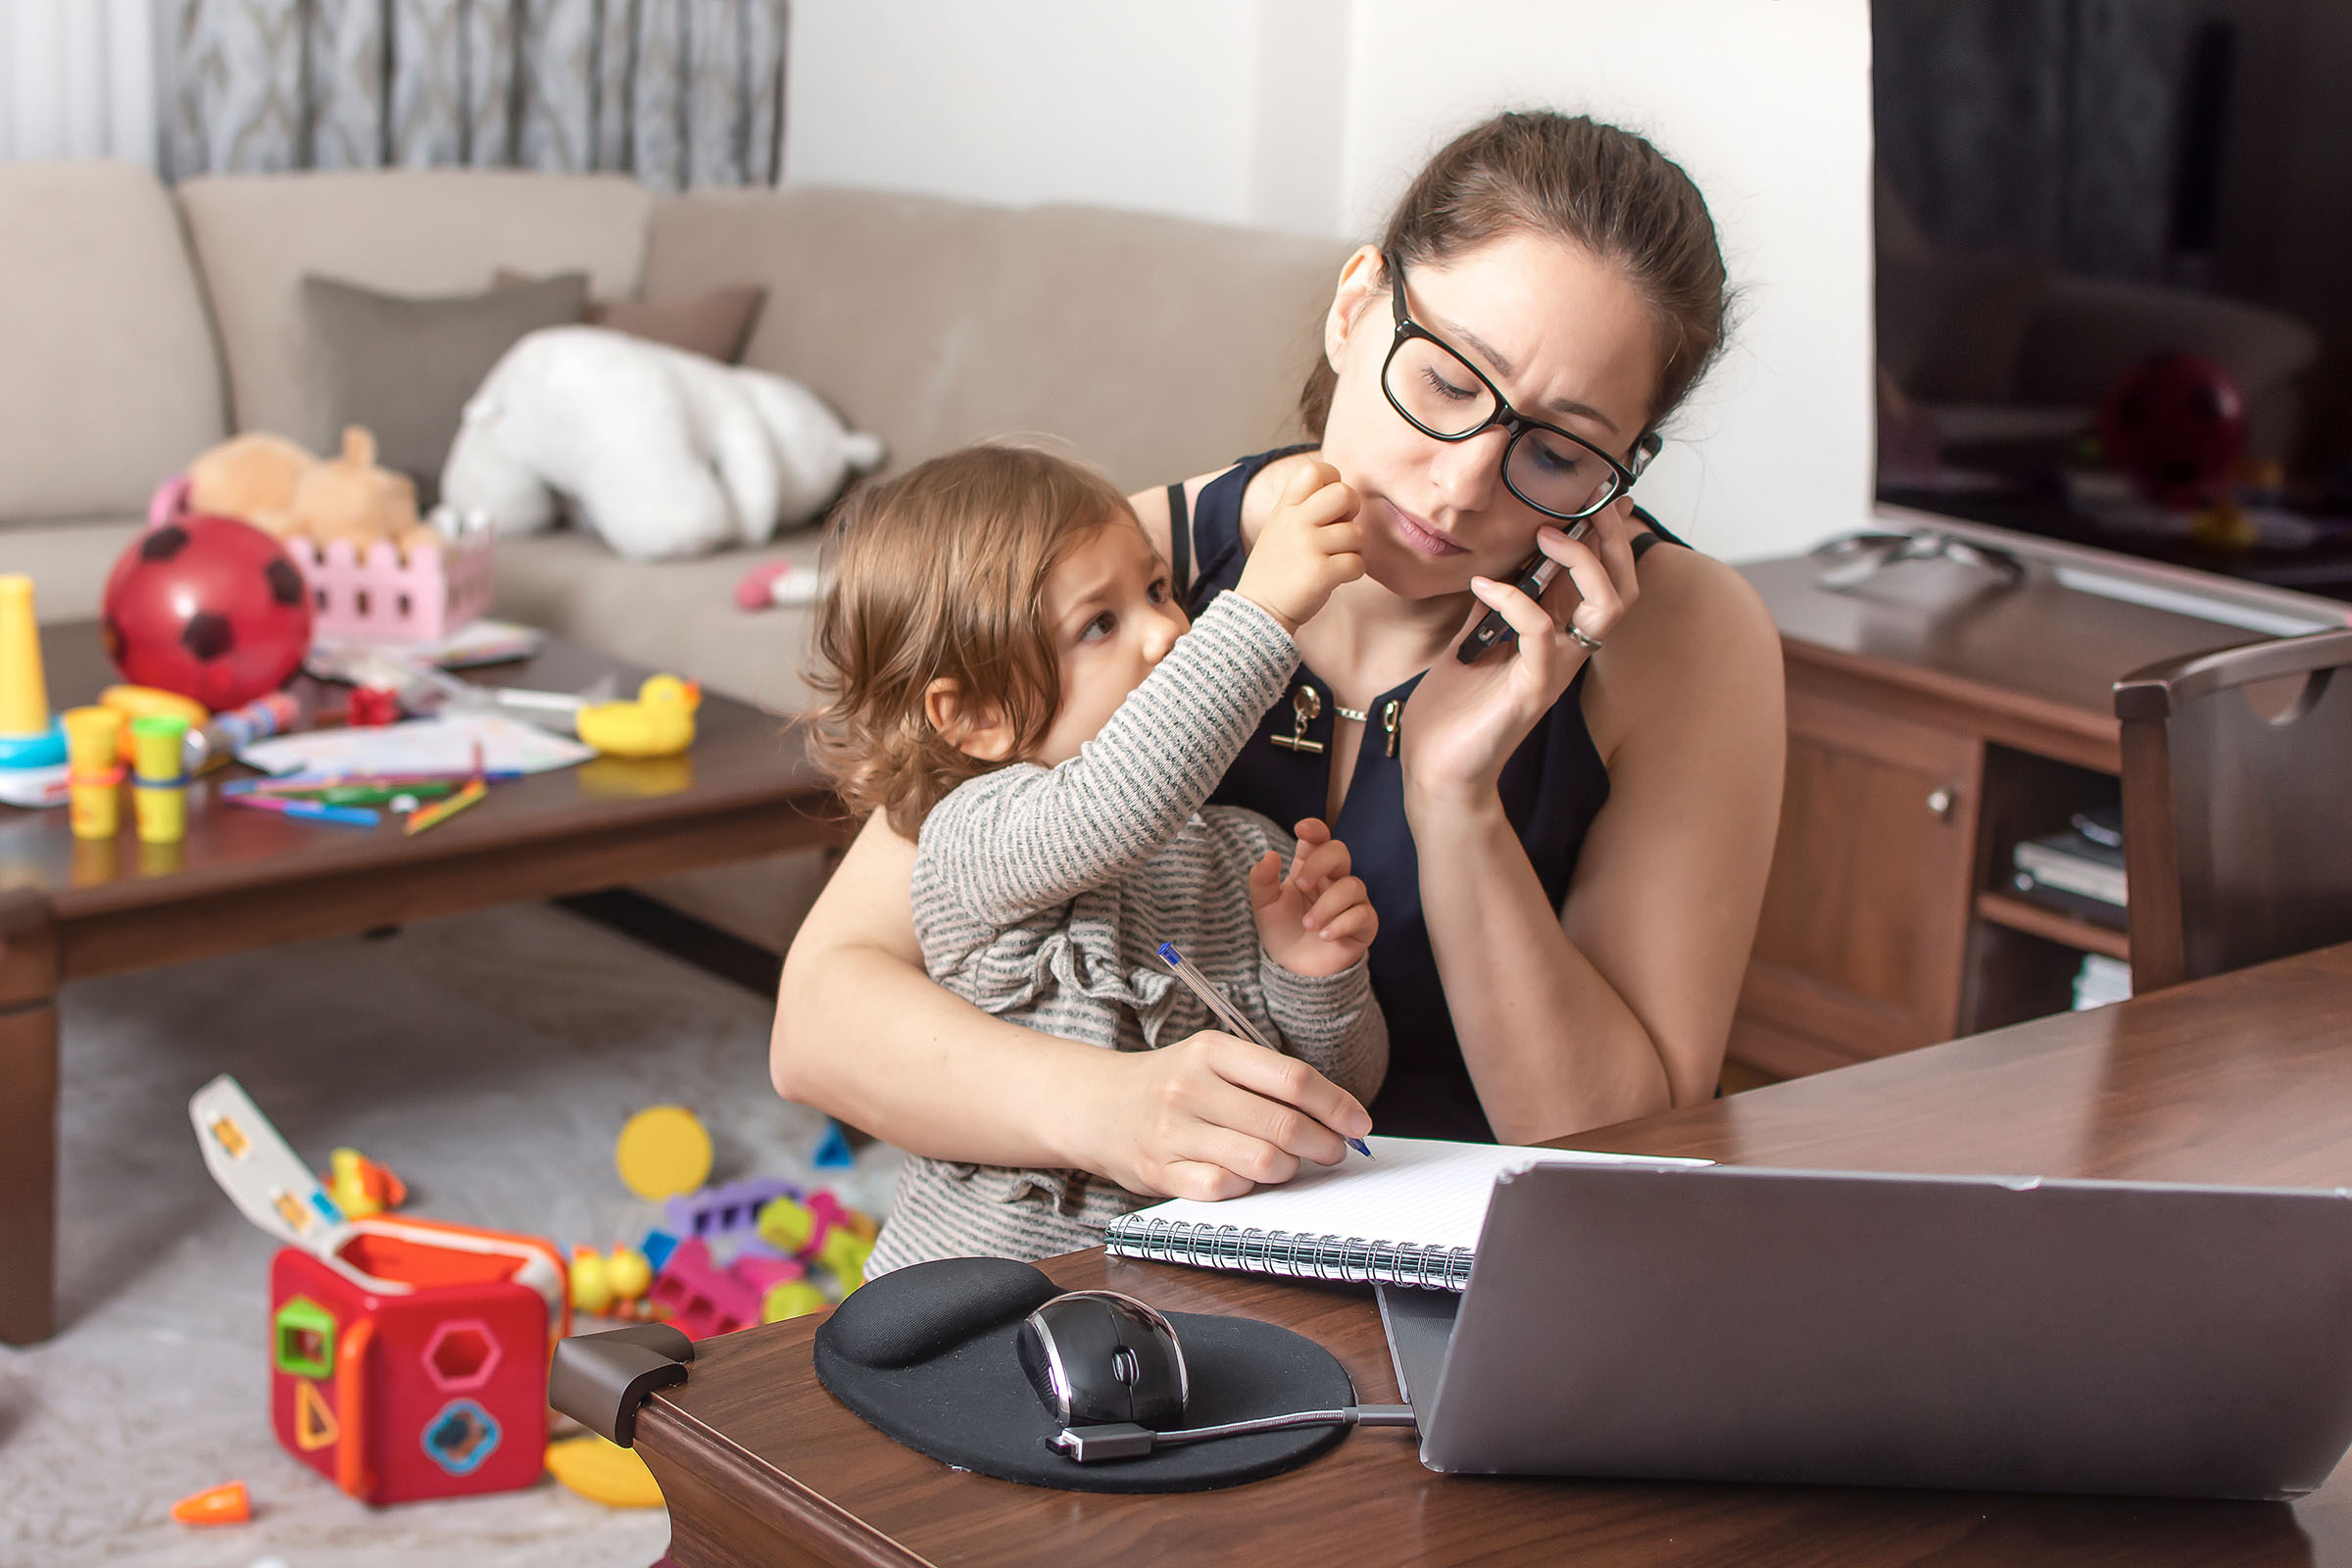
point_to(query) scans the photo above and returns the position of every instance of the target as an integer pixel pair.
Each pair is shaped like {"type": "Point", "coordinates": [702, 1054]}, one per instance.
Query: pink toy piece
{"type": "Point", "coordinates": [702, 1299]}
{"type": "Point", "coordinates": [170, 499]}
{"type": "Point", "coordinates": [762, 1273]}
{"type": "Point", "coordinates": [778, 582]}
{"type": "Point", "coordinates": [726, 1208]}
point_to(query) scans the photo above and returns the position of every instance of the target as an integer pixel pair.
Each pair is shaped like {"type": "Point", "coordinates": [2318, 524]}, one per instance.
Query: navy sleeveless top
{"type": "Point", "coordinates": [1553, 787]}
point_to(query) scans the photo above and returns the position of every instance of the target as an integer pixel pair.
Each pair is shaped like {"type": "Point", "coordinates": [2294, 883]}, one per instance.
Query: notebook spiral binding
{"type": "Point", "coordinates": [1353, 1259]}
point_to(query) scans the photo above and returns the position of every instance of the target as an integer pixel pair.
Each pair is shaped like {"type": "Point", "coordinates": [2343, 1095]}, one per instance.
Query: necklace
{"type": "Point", "coordinates": [1356, 714]}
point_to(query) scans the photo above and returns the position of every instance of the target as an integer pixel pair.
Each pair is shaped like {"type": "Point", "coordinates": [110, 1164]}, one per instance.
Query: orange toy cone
{"type": "Point", "coordinates": [224, 1504]}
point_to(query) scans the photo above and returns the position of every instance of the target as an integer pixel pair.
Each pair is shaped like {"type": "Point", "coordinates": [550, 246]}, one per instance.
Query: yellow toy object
{"type": "Point", "coordinates": [591, 1288]}
{"type": "Point", "coordinates": [629, 1273]}
{"type": "Point", "coordinates": [160, 789]}
{"type": "Point", "coordinates": [843, 1253]}
{"type": "Point", "coordinates": [786, 1225]}
{"type": "Point", "coordinates": [28, 736]}
{"type": "Point", "coordinates": [663, 1150]}
{"type": "Point", "coordinates": [603, 1472]}
{"type": "Point", "coordinates": [791, 1298]}
{"type": "Point", "coordinates": [150, 702]}
{"type": "Point", "coordinates": [94, 801]}
{"type": "Point", "coordinates": [361, 1187]}
{"type": "Point", "coordinates": [658, 723]}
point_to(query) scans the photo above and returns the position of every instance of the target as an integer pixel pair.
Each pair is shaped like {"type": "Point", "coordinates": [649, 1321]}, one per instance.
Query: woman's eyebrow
{"type": "Point", "coordinates": [1503, 368]}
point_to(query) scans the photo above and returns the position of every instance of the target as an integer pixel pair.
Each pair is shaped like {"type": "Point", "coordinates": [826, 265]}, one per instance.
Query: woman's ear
{"type": "Point", "coordinates": [1359, 280]}
{"type": "Point", "coordinates": [976, 729]}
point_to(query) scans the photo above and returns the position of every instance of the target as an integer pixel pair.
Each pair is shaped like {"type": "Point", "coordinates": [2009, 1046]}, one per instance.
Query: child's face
{"type": "Point", "coordinates": [1113, 616]}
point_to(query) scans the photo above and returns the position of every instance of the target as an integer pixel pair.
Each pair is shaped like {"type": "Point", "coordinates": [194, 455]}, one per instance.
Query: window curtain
{"type": "Point", "coordinates": [77, 79]}
{"type": "Point", "coordinates": [2040, 127]}
{"type": "Point", "coordinates": [676, 93]}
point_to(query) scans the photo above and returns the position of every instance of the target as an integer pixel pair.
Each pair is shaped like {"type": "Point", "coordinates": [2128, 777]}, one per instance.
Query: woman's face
{"type": "Point", "coordinates": [1561, 335]}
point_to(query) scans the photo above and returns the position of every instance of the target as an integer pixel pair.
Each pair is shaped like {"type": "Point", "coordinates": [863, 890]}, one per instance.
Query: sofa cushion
{"type": "Point", "coordinates": [1158, 347]}
{"type": "Point", "coordinates": [111, 381]}
{"type": "Point", "coordinates": [867, 293]}
{"type": "Point", "coordinates": [405, 367]}
{"type": "Point", "coordinates": [405, 231]}
{"type": "Point", "coordinates": [675, 616]}
{"type": "Point", "coordinates": [713, 324]}
{"type": "Point", "coordinates": [68, 561]}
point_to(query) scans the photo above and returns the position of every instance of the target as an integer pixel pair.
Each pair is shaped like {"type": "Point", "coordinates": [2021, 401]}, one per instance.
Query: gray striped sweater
{"type": "Point", "coordinates": [1041, 895]}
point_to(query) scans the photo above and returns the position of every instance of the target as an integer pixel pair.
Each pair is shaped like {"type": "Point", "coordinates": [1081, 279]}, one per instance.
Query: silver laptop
{"type": "Point", "coordinates": [1733, 1323]}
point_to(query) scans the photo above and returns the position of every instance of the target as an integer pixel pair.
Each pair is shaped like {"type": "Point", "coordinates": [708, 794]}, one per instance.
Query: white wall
{"type": "Point", "coordinates": [77, 79]}
{"type": "Point", "coordinates": [1309, 115]}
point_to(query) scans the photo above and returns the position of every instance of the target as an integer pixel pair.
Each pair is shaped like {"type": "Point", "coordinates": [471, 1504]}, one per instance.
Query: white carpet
{"type": "Point", "coordinates": [488, 1059]}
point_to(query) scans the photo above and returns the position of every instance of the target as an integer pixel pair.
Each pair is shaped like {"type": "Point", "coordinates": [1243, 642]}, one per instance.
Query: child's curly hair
{"type": "Point", "coordinates": [941, 572]}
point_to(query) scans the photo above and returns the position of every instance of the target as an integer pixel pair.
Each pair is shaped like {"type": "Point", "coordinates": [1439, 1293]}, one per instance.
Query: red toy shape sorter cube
{"type": "Point", "coordinates": [418, 1369]}
{"type": "Point", "coordinates": [408, 1358]}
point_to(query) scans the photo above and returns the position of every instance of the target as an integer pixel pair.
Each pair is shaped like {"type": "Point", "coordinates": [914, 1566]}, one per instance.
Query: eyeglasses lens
{"type": "Point", "coordinates": [1438, 391]}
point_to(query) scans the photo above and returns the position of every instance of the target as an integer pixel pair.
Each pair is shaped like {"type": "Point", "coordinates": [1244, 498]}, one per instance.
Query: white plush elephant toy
{"type": "Point", "coordinates": [665, 454]}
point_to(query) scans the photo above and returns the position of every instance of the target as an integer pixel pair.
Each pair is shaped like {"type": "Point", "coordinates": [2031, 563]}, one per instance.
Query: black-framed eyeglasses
{"type": "Point", "coordinates": [1447, 397]}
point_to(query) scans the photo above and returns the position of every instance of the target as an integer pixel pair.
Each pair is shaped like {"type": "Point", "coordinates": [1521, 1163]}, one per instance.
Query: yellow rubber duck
{"type": "Point", "coordinates": [658, 723]}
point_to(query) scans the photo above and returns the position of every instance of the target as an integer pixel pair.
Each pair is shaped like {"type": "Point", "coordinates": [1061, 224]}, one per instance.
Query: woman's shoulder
{"type": "Point", "coordinates": [1258, 493]}
{"type": "Point", "coordinates": [1697, 646]}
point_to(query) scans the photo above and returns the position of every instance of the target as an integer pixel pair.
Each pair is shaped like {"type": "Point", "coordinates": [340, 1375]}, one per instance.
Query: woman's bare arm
{"type": "Point", "coordinates": [1618, 1006]}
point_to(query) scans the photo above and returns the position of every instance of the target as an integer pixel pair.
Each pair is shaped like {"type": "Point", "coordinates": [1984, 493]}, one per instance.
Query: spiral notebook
{"type": "Point", "coordinates": [1409, 1215]}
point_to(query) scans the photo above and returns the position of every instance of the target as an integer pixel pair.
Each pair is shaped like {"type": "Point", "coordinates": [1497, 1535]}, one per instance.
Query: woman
{"type": "Point", "coordinates": [1566, 848]}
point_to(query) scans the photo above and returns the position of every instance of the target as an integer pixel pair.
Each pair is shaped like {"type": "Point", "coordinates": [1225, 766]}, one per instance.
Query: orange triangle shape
{"type": "Point", "coordinates": [224, 1504]}
{"type": "Point", "coordinates": [315, 1425]}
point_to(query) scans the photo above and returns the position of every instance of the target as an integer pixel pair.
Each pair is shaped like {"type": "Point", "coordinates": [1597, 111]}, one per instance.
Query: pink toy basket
{"type": "Point", "coordinates": [377, 597]}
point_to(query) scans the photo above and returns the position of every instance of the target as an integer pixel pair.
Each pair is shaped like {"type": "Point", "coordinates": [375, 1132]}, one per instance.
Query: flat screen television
{"type": "Point", "coordinates": [2115, 284]}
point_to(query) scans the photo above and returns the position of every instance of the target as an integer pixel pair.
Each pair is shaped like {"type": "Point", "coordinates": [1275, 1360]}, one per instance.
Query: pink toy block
{"type": "Point", "coordinates": [762, 1273]}
{"type": "Point", "coordinates": [702, 1299]}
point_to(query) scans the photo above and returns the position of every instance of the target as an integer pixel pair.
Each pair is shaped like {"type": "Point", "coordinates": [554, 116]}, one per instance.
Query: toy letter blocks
{"type": "Point", "coordinates": [408, 1358]}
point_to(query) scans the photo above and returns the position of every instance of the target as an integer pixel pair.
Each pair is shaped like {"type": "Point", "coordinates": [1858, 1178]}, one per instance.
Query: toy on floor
{"type": "Point", "coordinates": [833, 1152]}
{"type": "Point", "coordinates": [603, 1472]}
{"type": "Point", "coordinates": [663, 1150]}
{"type": "Point", "coordinates": [361, 1187]}
{"type": "Point", "coordinates": [409, 1359]}
{"type": "Point", "coordinates": [30, 737]}
{"type": "Point", "coordinates": [227, 1504]}
{"type": "Point", "coordinates": [209, 608]}
{"type": "Point", "coordinates": [658, 723]}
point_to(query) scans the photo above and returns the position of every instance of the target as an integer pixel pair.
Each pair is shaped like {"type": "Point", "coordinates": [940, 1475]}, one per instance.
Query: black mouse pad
{"type": "Point", "coordinates": [929, 1354]}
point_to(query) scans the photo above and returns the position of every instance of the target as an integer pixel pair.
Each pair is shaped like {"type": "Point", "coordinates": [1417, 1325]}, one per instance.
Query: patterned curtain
{"type": "Point", "coordinates": [2042, 127]}
{"type": "Point", "coordinates": [676, 92]}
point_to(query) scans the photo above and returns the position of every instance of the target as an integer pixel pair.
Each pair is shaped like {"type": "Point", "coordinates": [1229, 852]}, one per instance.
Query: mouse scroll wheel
{"type": "Point", "coordinates": [1126, 1368]}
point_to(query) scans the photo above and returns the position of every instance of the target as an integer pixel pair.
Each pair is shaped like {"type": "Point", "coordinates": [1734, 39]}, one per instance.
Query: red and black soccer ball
{"type": "Point", "coordinates": [2176, 423]}
{"type": "Point", "coordinates": [209, 608]}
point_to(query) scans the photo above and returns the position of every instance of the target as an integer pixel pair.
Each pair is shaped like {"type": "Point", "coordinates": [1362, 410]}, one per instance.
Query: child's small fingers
{"type": "Point", "coordinates": [1323, 863]}
{"type": "Point", "coordinates": [1311, 831]}
{"type": "Point", "coordinates": [1265, 878]}
{"type": "Point", "coordinates": [1347, 892]}
{"type": "Point", "coordinates": [1360, 923]}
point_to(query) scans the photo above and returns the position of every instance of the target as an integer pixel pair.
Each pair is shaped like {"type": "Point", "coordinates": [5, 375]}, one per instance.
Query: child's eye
{"type": "Point", "coordinates": [1158, 593]}
{"type": "Point", "coordinates": [1100, 627]}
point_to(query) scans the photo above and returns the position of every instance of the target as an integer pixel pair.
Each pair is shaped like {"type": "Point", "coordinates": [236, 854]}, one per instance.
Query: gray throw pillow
{"type": "Point", "coordinates": [404, 366]}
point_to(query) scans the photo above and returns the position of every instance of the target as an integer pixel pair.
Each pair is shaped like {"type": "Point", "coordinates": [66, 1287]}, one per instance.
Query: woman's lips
{"type": "Point", "coordinates": [1419, 537]}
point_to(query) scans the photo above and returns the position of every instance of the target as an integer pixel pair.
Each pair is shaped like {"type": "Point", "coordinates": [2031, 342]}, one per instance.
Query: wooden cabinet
{"type": "Point", "coordinates": [1935, 719]}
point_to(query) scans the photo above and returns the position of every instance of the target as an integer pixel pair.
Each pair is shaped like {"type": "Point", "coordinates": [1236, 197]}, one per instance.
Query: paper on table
{"type": "Point", "coordinates": [1421, 1191]}
{"type": "Point", "coordinates": [418, 746]}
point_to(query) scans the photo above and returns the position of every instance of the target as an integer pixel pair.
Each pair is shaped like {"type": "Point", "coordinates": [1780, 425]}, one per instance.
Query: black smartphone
{"type": "Point", "coordinates": [1534, 575]}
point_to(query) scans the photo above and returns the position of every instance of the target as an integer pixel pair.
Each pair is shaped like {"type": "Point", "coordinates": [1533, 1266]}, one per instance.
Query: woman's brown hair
{"type": "Point", "coordinates": [1570, 179]}
{"type": "Point", "coordinates": [941, 572]}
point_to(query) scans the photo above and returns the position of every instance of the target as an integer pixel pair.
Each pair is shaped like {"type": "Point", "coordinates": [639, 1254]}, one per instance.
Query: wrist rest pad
{"type": "Point", "coordinates": [929, 1354]}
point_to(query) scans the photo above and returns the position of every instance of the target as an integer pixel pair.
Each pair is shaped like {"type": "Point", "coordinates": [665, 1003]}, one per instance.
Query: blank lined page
{"type": "Point", "coordinates": [1423, 1190]}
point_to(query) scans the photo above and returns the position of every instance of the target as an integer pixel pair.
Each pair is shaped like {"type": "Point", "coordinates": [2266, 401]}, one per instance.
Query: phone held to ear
{"type": "Point", "coordinates": [1534, 575]}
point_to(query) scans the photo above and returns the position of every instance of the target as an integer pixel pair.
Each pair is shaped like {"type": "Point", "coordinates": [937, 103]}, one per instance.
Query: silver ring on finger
{"type": "Point", "coordinates": [1591, 645]}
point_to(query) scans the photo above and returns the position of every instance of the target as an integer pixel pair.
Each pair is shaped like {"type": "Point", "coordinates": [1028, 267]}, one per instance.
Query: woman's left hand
{"type": "Point", "coordinates": [1463, 720]}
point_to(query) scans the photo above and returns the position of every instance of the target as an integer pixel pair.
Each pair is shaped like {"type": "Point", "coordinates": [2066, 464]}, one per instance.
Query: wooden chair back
{"type": "Point", "coordinates": [2238, 822]}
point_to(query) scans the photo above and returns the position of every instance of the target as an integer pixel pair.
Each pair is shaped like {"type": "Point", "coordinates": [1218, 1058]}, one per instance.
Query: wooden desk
{"type": "Point", "coordinates": [2245, 1078]}
{"type": "Point", "coordinates": [245, 879]}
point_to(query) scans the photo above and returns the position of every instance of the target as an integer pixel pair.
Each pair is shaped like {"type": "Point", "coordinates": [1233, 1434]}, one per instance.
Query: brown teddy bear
{"type": "Point", "coordinates": [279, 487]}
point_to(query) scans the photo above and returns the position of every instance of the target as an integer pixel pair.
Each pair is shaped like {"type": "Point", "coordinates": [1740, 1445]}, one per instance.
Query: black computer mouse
{"type": "Point", "coordinates": [1096, 1357]}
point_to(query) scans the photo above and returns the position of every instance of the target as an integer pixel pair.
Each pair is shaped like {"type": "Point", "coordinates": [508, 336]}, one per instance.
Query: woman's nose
{"type": "Point", "coordinates": [1467, 472]}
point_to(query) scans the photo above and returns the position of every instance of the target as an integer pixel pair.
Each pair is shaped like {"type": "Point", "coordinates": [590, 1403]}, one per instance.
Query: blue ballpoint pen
{"type": "Point", "coordinates": [1228, 1014]}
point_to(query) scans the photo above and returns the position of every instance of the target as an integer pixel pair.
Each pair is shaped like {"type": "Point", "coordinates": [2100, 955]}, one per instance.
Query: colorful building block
{"type": "Point", "coordinates": [702, 1299]}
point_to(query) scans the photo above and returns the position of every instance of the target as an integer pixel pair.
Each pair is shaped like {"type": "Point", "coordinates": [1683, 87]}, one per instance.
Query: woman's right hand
{"type": "Point", "coordinates": [1213, 1116]}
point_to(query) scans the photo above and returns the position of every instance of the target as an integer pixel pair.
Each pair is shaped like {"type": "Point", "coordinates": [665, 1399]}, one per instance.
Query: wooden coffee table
{"type": "Point", "coordinates": [247, 879]}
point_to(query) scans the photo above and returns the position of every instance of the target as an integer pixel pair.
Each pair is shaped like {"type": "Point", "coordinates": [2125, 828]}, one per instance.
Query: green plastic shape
{"type": "Point", "coordinates": [305, 1339]}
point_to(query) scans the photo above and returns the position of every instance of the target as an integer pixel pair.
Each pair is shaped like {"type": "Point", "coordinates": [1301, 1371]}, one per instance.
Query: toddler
{"type": "Point", "coordinates": [1008, 675]}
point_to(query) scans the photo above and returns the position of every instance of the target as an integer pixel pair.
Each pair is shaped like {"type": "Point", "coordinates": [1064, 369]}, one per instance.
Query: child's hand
{"type": "Point", "coordinates": [1318, 919]}
{"type": "Point", "coordinates": [1310, 546]}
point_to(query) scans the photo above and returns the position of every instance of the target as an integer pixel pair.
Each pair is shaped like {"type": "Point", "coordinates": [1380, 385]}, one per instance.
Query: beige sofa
{"type": "Point", "coordinates": [140, 325]}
